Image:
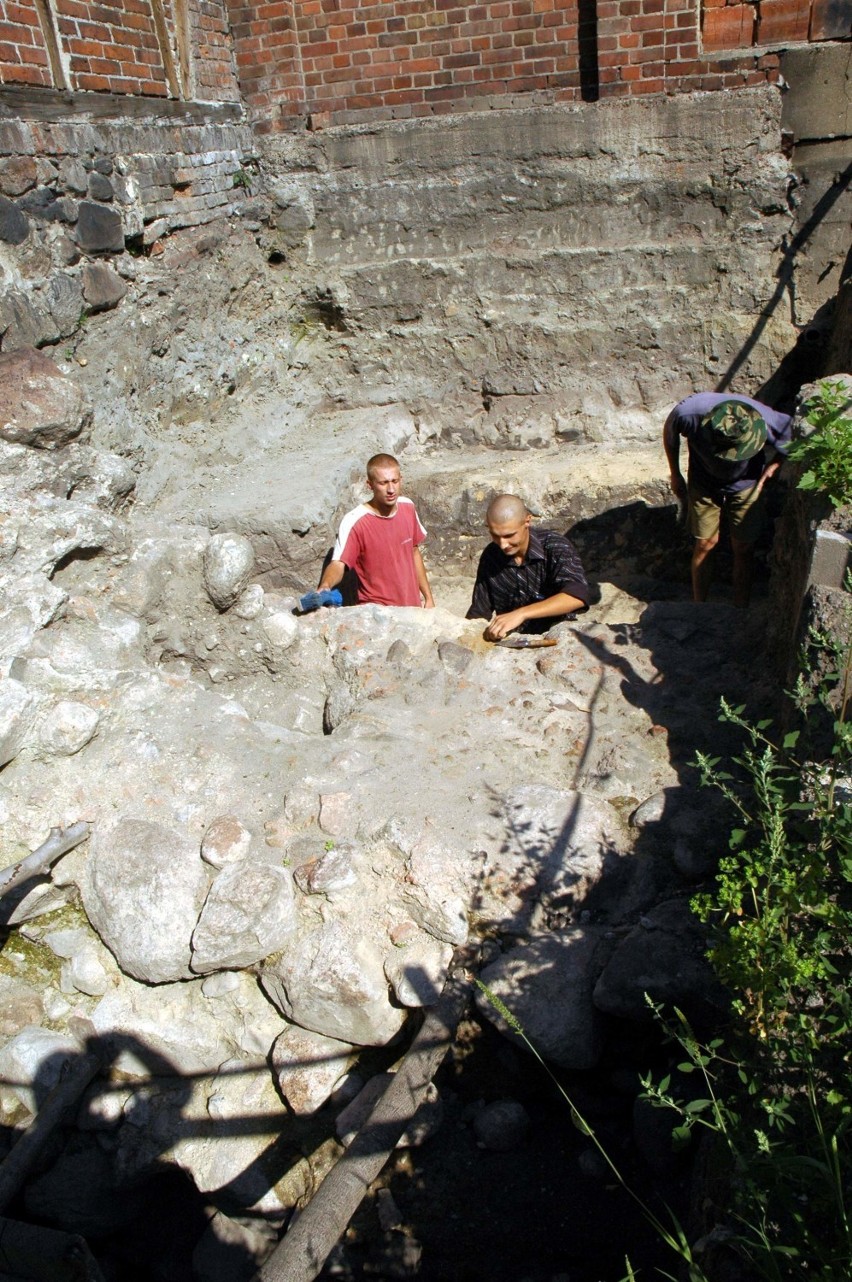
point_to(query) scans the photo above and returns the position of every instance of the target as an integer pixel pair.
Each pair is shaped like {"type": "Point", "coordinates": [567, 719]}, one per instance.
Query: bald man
{"type": "Point", "coordinates": [527, 579]}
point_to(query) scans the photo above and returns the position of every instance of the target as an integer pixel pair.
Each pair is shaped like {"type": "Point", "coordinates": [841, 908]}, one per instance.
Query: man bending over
{"type": "Point", "coordinates": [735, 444]}
{"type": "Point", "coordinates": [527, 579]}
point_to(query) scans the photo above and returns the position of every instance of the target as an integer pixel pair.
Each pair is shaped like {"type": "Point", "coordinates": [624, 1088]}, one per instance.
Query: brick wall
{"type": "Point", "coordinates": [23, 54]}
{"type": "Point", "coordinates": [341, 60]}
{"type": "Point", "coordinates": [151, 48]}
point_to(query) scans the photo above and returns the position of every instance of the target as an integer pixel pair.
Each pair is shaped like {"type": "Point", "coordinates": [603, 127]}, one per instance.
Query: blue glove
{"type": "Point", "coordinates": [314, 600]}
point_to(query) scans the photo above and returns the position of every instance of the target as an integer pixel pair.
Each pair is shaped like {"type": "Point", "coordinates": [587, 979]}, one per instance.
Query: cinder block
{"type": "Point", "coordinates": [832, 557]}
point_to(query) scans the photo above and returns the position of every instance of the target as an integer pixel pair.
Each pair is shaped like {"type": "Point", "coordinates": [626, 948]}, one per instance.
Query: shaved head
{"type": "Point", "coordinates": [380, 460]}
{"type": "Point", "coordinates": [506, 509]}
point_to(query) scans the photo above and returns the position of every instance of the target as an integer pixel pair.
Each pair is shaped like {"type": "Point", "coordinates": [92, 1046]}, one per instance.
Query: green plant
{"type": "Point", "coordinates": [776, 1094]}
{"type": "Point", "coordinates": [826, 452]}
{"type": "Point", "coordinates": [673, 1237]}
{"type": "Point", "coordinates": [242, 179]}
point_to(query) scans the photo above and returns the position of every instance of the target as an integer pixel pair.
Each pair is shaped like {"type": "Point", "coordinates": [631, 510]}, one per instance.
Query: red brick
{"type": "Point", "coordinates": [729, 28]}
{"type": "Point", "coordinates": [831, 20]}
{"type": "Point", "coordinates": [782, 20]}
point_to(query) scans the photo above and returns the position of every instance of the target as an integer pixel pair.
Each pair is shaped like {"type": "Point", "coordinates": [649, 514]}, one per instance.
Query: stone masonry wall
{"type": "Point", "coordinates": [77, 192]}
{"type": "Point", "coordinates": [557, 273]}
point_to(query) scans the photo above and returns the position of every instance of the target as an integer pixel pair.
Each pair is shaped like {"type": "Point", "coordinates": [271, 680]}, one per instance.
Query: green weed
{"type": "Point", "coordinates": [825, 453]}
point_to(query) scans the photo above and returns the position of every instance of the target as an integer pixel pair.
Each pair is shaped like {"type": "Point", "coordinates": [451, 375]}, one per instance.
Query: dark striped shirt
{"type": "Point", "coordinates": [551, 565]}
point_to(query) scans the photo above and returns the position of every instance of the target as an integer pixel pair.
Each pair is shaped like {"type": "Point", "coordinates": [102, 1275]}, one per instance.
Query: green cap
{"type": "Point", "coordinates": [733, 431]}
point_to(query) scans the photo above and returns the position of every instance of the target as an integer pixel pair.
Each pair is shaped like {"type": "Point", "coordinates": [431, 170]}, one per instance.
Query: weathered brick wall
{"type": "Point", "coordinates": [23, 52]}
{"type": "Point", "coordinates": [152, 48]}
{"type": "Point", "coordinates": [336, 61]}
{"type": "Point", "coordinates": [112, 48]}
{"type": "Point", "coordinates": [340, 61]}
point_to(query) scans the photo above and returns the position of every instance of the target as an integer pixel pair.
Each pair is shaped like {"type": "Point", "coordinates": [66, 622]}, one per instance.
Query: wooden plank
{"type": "Point", "coordinates": [299, 1257]}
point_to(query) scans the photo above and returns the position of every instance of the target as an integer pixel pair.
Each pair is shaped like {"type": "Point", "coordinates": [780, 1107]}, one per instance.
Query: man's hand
{"type": "Point", "coordinates": [503, 624]}
{"type": "Point", "coordinates": [316, 600]}
{"type": "Point", "coordinates": [678, 485]}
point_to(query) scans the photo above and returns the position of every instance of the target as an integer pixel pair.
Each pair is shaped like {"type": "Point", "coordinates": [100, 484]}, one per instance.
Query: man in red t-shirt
{"type": "Point", "coordinates": [380, 540]}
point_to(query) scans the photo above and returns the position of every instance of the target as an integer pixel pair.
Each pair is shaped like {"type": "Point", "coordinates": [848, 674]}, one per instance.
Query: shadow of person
{"type": "Point", "coordinates": [98, 1161]}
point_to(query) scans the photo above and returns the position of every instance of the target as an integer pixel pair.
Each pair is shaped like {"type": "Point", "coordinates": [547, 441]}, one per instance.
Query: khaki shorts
{"type": "Point", "coordinates": [745, 511]}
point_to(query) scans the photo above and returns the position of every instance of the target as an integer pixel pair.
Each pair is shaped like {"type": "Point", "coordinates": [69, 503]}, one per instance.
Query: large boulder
{"type": "Point", "coordinates": [41, 405]}
{"type": "Point", "coordinates": [546, 985]}
{"type": "Point", "coordinates": [143, 890]}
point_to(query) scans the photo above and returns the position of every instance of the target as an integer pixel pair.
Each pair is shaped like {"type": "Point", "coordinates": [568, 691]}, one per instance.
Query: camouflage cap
{"type": "Point", "coordinates": [733, 431]}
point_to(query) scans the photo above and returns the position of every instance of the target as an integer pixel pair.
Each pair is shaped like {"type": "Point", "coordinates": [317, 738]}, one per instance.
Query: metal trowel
{"type": "Point", "coordinates": [516, 642]}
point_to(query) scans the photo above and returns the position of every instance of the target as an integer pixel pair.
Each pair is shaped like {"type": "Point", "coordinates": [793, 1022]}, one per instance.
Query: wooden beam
{"type": "Point", "coordinates": [299, 1257]}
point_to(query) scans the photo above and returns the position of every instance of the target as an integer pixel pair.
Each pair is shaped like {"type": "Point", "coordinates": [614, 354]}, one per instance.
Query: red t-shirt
{"type": "Point", "coordinates": [380, 549]}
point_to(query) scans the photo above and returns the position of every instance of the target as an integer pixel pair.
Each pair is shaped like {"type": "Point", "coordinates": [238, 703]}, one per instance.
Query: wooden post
{"type": "Point", "coordinates": [303, 1251]}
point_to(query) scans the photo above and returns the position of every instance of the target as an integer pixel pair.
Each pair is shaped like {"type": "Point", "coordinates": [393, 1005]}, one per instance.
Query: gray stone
{"type": "Point", "coordinates": [663, 958]}
{"type": "Point", "coordinates": [501, 1126]}
{"type": "Point", "coordinates": [20, 1004]}
{"type": "Point", "coordinates": [226, 841]}
{"type": "Point", "coordinates": [417, 972]}
{"type": "Point", "coordinates": [67, 253]}
{"type": "Point", "coordinates": [72, 175]}
{"type": "Point", "coordinates": [333, 983]}
{"type": "Point", "coordinates": [308, 1067]}
{"type": "Point", "coordinates": [103, 288]}
{"type": "Point", "coordinates": [228, 562]}
{"type": "Point", "coordinates": [331, 870]}
{"type": "Point", "coordinates": [99, 186]}
{"type": "Point", "coordinates": [32, 1062]}
{"type": "Point", "coordinates": [547, 986]}
{"type": "Point", "coordinates": [62, 210]}
{"type": "Point", "coordinates": [22, 324]}
{"type": "Point", "coordinates": [38, 203]}
{"type": "Point", "coordinates": [14, 224]}
{"type": "Point", "coordinates": [249, 913]}
{"type": "Point", "coordinates": [17, 175]}
{"type": "Point", "coordinates": [68, 727]}
{"type": "Point", "coordinates": [99, 229]}
{"type": "Point", "coordinates": [143, 889]}
{"type": "Point", "coordinates": [18, 707]}
{"type": "Point", "coordinates": [40, 405]}
{"type": "Point", "coordinates": [65, 301]}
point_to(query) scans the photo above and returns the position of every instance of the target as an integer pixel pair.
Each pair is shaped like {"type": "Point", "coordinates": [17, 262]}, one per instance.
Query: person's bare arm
{"type": "Point", "coordinates": [423, 580]}
{"type": "Point", "coordinates": [671, 445]}
{"type": "Point", "coordinates": [768, 472]}
{"type": "Point", "coordinates": [559, 603]}
{"type": "Point", "coordinates": [332, 575]}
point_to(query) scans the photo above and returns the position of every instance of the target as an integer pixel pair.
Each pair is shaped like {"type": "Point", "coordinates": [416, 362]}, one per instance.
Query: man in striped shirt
{"type": "Point", "coordinates": [527, 579]}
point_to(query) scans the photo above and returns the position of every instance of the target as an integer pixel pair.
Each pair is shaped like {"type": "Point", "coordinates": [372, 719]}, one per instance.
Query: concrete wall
{"type": "Point", "coordinates": [544, 275]}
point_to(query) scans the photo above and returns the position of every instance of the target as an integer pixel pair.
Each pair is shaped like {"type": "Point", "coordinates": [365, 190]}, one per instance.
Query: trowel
{"type": "Point", "coordinates": [516, 642]}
